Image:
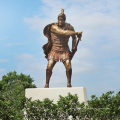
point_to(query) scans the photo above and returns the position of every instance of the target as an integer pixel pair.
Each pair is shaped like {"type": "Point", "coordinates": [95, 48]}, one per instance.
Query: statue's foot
{"type": "Point", "coordinates": [46, 86]}
{"type": "Point", "coordinates": [69, 85]}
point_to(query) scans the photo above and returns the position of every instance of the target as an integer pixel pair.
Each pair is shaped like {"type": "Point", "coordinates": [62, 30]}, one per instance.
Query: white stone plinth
{"type": "Point", "coordinates": [53, 93]}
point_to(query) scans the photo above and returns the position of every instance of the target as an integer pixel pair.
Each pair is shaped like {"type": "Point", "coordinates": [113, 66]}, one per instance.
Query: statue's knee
{"type": "Point", "coordinates": [68, 65]}
{"type": "Point", "coordinates": [50, 65]}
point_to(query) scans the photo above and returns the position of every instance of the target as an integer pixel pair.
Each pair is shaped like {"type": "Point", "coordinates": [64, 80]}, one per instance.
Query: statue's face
{"type": "Point", "coordinates": [61, 21]}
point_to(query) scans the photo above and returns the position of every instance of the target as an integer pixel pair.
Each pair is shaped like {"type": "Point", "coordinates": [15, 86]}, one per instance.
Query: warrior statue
{"type": "Point", "coordinates": [57, 48]}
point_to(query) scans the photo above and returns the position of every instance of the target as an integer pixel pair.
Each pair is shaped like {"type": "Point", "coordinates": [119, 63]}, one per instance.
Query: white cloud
{"type": "Point", "coordinates": [3, 38]}
{"type": "Point", "coordinates": [25, 57]}
{"type": "Point", "coordinates": [94, 23]}
{"type": "Point", "coordinates": [83, 53]}
{"type": "Point", "coordinates": [2, 70]}
{"type": "Point", "coordinates": [29, 64]}
{"type": "Point", "coordinates": [4, 60]}
{"type": "Point", "coordinates": [84, 67]}
{"type": "Point", "coordinates": [95, 18]}
{"type": "Point", "coordinates": [14, 44]}
{"type": "Point", "coordinates": [35, 22]}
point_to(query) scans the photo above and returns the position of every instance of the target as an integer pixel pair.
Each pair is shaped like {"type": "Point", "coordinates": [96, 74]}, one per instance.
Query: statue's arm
{"type": "Point", "coordinates": [73, 38]}
{"type": "Point", "coordinates": [73, 41]}
{"type": "Point", "coordinates": [60, 31]}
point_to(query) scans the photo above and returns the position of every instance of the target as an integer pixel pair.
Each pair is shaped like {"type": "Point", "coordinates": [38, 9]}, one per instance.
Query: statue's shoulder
{"type": "Point", "coordinates": [47, 28]}
{"type": "Point", "coordinates": [69, 26]}
{"type": "Point", "coordinates": [54, 25]}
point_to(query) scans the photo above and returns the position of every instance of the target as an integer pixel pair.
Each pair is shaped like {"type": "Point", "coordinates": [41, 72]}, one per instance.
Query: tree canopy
{"type": "Point", "coordinates": [12, 94]}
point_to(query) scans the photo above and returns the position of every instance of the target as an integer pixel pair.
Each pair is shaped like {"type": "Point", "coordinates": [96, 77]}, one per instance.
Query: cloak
{"type": "Point", "coordinates": [47, 47]}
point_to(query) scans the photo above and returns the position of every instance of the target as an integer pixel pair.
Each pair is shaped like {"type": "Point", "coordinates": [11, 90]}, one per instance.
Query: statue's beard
{"type": "Point", "coordinates": [61, 24]}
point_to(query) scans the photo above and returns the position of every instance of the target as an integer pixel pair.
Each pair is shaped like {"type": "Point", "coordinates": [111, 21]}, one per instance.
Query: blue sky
{"type": "Point", "coordinates": [96, 63]}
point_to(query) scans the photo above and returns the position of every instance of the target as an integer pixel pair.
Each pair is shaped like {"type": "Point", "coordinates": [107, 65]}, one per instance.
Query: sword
{"type": "Point", "coordinates": [79, 39]}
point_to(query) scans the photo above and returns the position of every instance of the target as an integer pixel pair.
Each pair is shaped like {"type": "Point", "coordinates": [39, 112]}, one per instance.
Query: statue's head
{"type": "Point", "coordinates": [61, 18]}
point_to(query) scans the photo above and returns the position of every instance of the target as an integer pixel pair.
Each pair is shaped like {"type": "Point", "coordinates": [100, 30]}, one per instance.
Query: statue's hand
{"type": "Point", "coordinates": [74, 49]}
{"type": "Point", "coordinates": [79, 35]}
{"type": "Point", "coordinates": [72, 53]}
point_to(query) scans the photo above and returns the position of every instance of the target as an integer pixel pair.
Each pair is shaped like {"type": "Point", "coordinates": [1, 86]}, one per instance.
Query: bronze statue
{"type": "Point", "coordinates": [57, 48]}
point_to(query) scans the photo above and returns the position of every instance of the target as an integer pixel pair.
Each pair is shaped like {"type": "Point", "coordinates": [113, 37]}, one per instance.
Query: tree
{"type": "Point", "coordinates": [12, 91]}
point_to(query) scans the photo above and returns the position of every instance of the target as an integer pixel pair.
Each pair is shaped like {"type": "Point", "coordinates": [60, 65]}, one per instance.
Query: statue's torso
{"type": "Point", "coordinates": [60, 42]}
{"type": "Point", "coordinates": [60, 49]}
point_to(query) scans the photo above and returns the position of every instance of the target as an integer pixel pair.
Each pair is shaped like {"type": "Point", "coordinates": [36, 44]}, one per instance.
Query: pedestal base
{"type": "Point", "coordinates": [53, 93]}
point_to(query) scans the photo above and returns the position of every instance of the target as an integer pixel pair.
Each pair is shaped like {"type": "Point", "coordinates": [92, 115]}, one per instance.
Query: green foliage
{"type": "Point", "coordinates": [12, 95]}
{"type": "Point", "coordinates": [107, 107]}
{"type": "Point", "coordinates": [37, 109]}
{"type": "Point", "coordinates": [67, 106]}
{"type": "Point", "coordinates": [46, 109]}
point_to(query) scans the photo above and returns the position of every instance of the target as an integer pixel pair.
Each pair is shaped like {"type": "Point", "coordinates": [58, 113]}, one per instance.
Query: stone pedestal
{"type": "Point", "coordinates": [53, 93]}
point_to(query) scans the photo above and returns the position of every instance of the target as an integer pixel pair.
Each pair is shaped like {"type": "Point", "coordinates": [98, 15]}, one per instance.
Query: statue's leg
{"type": "Point", "coordinates": [68, 67]}
{"type": "Point", "coordinates": [50, 66]}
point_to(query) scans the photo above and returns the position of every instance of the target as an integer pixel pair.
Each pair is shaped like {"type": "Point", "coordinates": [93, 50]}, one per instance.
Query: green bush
{"type": "Point", "coordinates": [106, 107]}
{"type": "Point", "coordinates": [40, 109]}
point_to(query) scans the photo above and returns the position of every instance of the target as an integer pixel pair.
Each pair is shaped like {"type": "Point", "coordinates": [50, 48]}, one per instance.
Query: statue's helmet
{"type": "Point", "coordinates": [62, 14]}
